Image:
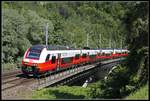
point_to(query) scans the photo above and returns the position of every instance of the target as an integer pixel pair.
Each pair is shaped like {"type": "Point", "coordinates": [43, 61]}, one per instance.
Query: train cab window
{"type": "Point", "coordinates": [47, 57]}
{"type": "Point", "coordinates": [53, 59]}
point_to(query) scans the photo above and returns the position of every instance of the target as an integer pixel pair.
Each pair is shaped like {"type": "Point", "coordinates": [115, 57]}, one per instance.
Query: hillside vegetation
{"type": "Point", "coordinates": [23, 25]}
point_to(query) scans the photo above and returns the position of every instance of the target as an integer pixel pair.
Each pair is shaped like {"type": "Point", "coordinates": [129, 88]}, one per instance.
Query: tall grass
{"type": "Point", "coordinates": [62, 92]}
{"type": "Point", "coordinates": [142, 94]}
{"type": "Point", "coordinates": [9, 67]}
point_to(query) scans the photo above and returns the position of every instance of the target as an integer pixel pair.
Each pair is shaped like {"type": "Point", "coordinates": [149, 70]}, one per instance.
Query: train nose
{"type": "Point", "coordinates": [30, 69]}
{"type": "Point", "coordinates": [29, 63]}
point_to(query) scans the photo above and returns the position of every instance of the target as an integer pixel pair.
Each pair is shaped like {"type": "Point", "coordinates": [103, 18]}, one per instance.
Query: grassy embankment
{"type": "Point", "coordinates": [8, 67]}
{"type": "Point", "coordinates": [141, 93]}
{"type": "Point", "coordinates": [62, 92]}
{"type": "Point", "coordinates": [77, 92]}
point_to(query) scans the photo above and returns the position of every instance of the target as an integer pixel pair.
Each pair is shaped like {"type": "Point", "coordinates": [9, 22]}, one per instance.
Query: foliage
{"type": "Point", "coordinates": [36, 27]}
{"type": "Point", "coordinates": [141, 93]}
{"type": "Point", "coordinates": [95, 90]}
{"type": "Point", "coordinates": [115, 83]}
{"type": "Point", "coordinates": [6, 67]}
{"type": "Point", "coordinates": [62, 92]}
{"type": "Point", "coordinates": [137, 61]}
{"type": "Point", "coordinates": [20, 31]}
{"type": "Point", "coordinates": [14, 30]}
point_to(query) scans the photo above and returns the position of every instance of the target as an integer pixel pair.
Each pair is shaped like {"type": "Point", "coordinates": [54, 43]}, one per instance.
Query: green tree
{"type": "Point", "coordinates": [14, 30]}
{"type": "Point", "coordinates": [36, 32]}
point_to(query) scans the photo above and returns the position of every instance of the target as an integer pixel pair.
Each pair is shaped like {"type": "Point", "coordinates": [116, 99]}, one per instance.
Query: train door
{"type": "Point", "coordinates": [59, 60]}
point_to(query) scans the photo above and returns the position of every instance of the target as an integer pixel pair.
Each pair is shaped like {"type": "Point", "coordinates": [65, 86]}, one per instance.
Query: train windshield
{"type": "Point", "coordinates": [34, 53]}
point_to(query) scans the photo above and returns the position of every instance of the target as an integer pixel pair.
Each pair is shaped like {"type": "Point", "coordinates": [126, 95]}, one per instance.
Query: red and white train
{"type": "Point", "coordinates": [41, 59]}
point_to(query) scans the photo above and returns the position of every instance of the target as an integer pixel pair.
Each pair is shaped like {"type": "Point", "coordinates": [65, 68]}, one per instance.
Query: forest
{"type": "Point", "coordinates": [106, 24]}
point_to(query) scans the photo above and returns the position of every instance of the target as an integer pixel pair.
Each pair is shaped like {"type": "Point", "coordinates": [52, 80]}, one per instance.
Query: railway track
{"type": "Point", "coordinates": [15, 83]}
{"type": "Point", "coordinates": [10, 80]}
{"type": "Point", "coordinates": [10, 74]}
{"type": "Point", "coordinates": [13, 79]}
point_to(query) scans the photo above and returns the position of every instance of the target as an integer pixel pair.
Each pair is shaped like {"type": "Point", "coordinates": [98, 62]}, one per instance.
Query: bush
{"type": "Point", "coordinates": [115, 83]}
{"type": "Point", "coordinates": [95, 90]}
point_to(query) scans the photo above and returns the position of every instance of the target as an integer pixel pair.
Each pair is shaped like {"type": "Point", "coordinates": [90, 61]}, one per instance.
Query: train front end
{"type": "Point", "coordinates": [32, 58]}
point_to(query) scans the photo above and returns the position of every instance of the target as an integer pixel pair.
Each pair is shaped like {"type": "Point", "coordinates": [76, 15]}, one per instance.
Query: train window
{"type": "Point", "coordinates": [92, 56]}
{"type": "Point", "coordinates": [84, 55]}
{"type": "Point", "coordinates": [99, 54]}
{"type": "Point", "coordinates": [109, 54]}
{"type": "Point", "coordinates": [53, 59]}
{"type": "Point", "coordinates": [77, 56]}
{"type": "Point", "coordinates": [47, 57]}
{"type": "Point", "coordinates": [103, 54]}
{"type": "Point", "coordinates": [66, 60]}
{"type": "Point", "coordinates": [34, 54]}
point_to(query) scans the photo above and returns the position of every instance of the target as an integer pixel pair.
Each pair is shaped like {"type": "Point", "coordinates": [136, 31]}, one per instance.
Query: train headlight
{"type": "Point", "coordinates": [34, 64]}
{"type": "Point", "coordinates": [25, 63]}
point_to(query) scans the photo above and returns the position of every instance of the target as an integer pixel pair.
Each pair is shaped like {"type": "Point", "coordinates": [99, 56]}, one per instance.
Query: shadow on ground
{"type": "Point", "coordinates": [63, 95]}
{"type": "Point", "coordinates": [23, 76]}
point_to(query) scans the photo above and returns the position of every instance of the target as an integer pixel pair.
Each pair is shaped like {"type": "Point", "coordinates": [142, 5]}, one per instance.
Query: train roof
{"type": "Point", "coordinates": [60, 47]}
{"type": "Point", "coordinates": [52, 47]}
